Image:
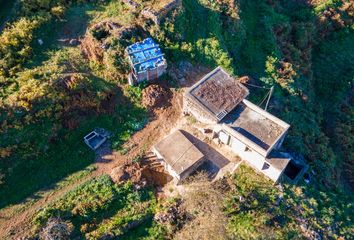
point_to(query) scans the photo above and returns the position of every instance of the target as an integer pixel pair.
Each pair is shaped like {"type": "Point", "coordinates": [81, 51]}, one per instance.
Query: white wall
{"type": "Point", "coordinates": [255, 159]}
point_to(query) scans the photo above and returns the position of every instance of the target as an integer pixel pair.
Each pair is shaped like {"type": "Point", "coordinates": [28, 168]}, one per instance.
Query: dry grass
{"type": "Point", "coordinates": [203, 201]}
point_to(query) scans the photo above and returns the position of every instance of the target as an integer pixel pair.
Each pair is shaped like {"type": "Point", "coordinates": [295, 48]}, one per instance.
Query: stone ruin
{"type": "Point", "coordinates": [155, 15]}
{"type": "Point", "coordinates": [99, 37]}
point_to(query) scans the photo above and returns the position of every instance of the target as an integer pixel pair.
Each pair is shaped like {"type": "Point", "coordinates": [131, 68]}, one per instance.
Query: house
{"type": "Point", "coordinates": [252, 133]}
{"type": "Point", "coordinates": [146, 60]}
{"type": "Point", "coordinates": [214, 96]}
{"type": "Point", "coordinates": [178, 155]}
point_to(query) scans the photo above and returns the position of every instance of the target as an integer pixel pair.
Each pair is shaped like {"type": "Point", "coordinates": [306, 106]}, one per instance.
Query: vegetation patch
{"type": "Point", "coordinates": [100, 208]}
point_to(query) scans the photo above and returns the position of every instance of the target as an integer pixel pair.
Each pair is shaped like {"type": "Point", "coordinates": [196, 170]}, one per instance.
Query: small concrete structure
{"type": "Point", "coordinates": [251, 132]}
{"type": "Point", "coordinates": [146, 60]}
{"type": "Point", "coordinates": [179, 155]}
{"type": "Point", "coordinates": [94, 140]}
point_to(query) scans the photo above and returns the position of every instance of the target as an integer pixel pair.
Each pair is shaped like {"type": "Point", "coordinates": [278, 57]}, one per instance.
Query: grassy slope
{"type": "Point", "coordinates": [48, 162]}
{"type": "Point", "coordinates": [333, 65]}
{"type": "Point", "coordinates": [204, 40]}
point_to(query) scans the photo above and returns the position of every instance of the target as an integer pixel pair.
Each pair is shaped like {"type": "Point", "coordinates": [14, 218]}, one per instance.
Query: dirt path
{"type": "Point", "coordinates": [15, 225]}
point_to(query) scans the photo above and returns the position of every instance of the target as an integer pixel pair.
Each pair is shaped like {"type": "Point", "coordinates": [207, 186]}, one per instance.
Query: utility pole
{"type": "Point", "coordinates": [270, 94]}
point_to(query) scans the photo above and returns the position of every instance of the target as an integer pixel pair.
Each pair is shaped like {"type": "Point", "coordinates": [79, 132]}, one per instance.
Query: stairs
{"type": "Point", "coordinates": [151, 161]}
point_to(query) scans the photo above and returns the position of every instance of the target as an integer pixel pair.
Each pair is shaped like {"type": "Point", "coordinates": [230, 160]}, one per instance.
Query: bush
{"type": "Point", "coordinates": [89, 204]}
{"type": "Point", "coordinates": [15, 46]}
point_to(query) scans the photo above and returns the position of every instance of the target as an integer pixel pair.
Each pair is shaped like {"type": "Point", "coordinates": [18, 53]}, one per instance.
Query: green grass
{"type": "Point", "coordinates": [99, 207]}
{"type": "Point", "coordinates": [267, 212]}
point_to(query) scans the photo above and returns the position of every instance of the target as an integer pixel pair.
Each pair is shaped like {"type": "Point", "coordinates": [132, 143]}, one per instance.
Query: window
{"type": "Point", "coordinates": [265, 166]}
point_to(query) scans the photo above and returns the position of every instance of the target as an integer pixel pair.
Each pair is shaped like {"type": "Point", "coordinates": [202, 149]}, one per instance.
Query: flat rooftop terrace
{"type": "Point", "coordinates": [179, 152]}
{"type": "Point", "coordinates": [218, 92]}
{"type": "Point", "coordinates": [145, 55]}
{"type": "Point", "coordinates": [255, 124]}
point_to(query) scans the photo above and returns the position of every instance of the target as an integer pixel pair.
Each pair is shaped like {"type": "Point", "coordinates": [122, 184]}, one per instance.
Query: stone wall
{"type": "Point", "coordinates": [157, 16]}
{"type": "Point", "coordinates": [190, 107]}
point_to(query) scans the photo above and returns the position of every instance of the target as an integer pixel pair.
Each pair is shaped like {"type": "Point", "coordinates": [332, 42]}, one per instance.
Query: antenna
{"type": "Point", "coordinates": [270, 94]}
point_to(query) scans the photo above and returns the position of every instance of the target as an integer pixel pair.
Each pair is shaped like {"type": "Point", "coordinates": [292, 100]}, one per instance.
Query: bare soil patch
{"type": "Point", "coordinates": [155, 96]}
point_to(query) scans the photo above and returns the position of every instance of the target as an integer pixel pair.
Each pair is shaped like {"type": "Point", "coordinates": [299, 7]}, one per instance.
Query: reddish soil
{"type": "Point", "coordinates": [155, 96]}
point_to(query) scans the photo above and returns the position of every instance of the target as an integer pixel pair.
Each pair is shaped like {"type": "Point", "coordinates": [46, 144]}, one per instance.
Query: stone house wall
{"type": "Point", "coordinates": [192, 108]}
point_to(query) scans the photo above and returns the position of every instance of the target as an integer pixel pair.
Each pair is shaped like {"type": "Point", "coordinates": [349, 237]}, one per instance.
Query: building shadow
{"type": "Point", "coordinates": [215, 161]}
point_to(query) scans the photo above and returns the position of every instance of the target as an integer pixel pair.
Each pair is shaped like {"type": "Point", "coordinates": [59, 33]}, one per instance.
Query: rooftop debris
{"type": "Point", "coordinates": [255, 125]}
{"type": "Point", "coordinates": [218, 93]}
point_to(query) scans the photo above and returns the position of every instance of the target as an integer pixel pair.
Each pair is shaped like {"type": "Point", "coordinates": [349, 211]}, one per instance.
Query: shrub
{"type": "Point", "coordinates": [15, 46]}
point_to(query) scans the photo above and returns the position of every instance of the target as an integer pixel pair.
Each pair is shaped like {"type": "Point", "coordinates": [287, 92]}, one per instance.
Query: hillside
{"type": "Point", "coordinates": [63, 73]}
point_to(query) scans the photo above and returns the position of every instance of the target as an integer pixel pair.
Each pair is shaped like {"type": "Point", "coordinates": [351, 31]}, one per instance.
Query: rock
{"type": "Point", "coordinates": [307, 178]}
{"type": "Point", "coordinates": [244, 79]}
{"type": "Point", "coordinates": [118, 174]}
{"type": "Point", "coordinates": [73, 42]}
{"type": "Point", "coordinates": [182, 80]}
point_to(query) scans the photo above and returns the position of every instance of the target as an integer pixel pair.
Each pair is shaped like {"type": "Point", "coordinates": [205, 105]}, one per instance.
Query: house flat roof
{"type": "Point", "coordinates": [218, 93]}
{"type": "Point", "coordinates": [178, 152]}
{"type": "Point", "coordinates": [145, 55]}
{"type": "Point", "coordinates": [256, 125]}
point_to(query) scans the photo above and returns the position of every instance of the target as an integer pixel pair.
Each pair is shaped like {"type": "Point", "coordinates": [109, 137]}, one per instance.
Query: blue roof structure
{"type": "Point", "coordinates": [145, 55]}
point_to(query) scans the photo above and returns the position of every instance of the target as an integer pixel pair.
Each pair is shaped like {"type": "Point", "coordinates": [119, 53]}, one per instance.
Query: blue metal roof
{"type": "Point", "coordinates": [145, 55]}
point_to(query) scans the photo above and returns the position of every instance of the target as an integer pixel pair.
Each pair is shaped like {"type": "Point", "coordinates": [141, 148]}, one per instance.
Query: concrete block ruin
{"type": "Point", "coordinates": [252, 133]}
{"type": "Point", "coordinates": [146, 60]}
{"type": "Point", "coordinates": [94, 140]}
{"type": "Point", "coordinates": [178, 155]}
